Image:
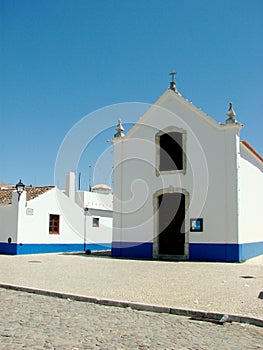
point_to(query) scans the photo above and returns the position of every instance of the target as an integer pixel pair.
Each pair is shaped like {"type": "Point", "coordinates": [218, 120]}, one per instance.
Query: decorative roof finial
{"type": "Point", "coordinates": [172, 83]}
{"type": "Point", "coordinates": [119, 130]}
{"type": "Point", "coordinates": [231, 114]}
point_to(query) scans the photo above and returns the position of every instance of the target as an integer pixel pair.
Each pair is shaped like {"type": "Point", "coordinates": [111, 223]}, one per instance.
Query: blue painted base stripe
{"type": "Point", "coordinates": [197, 251]}
{"type": "Point", "coordinates": [214, 252]}
{"type": "Point", "coordinates": [224, 252]}
{"type": "Point", "coordinates": [132, 250]}
{"type": "Point", "coordinates": [27, 248]}
{"type": "Point", "coordinates": [8, 248]}
{"type": "Point", "coordinates": [250, 250]}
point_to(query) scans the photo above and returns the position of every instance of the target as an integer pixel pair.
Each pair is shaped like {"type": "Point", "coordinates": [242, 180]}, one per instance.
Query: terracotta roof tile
{"type": "Point", "coordinates": [252, 150]}
{"type": "Point", "coordinates": [31, 193]}
{"type": "Point", "coordinates": [6, 196]}
{"type": "Point", "coordinates": [6, 186]}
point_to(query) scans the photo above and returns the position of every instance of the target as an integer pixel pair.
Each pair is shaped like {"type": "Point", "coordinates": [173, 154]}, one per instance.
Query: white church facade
{"type": "Point", "coordinates": [186, 187]}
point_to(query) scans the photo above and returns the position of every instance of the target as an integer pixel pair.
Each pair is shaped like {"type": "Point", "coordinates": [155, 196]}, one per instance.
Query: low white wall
{"type": "Point", "coordinates": [250, 197]}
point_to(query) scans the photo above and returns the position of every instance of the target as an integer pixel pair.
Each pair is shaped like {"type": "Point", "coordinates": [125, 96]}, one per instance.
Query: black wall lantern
{"type": "Point", "coordinates": [19, 189]}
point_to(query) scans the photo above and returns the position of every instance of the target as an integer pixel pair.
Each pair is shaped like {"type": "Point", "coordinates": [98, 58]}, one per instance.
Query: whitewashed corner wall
{"type": "Point", "coordinates": [9, 220]}
{"type": "Point", "coordinates": [250, 191]}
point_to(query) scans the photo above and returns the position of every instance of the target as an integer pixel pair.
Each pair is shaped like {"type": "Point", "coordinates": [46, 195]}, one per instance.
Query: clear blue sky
{"type": "Point", "coordinates": [63, 59]}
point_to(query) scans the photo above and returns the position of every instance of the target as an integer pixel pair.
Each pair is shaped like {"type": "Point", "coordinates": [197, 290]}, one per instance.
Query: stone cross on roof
{"type": "Point", "coordinates": [172, 83]}
{"type": "Point", "coordinates": [172, 74]}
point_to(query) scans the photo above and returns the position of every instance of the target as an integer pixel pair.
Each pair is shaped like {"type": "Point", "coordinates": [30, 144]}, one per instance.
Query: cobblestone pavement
{"type": "Point", "coordinates": [30, 321]}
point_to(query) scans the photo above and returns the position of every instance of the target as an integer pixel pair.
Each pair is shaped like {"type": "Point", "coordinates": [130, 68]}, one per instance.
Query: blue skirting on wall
{"type": "Point", "coordinates": [144, 250]}
{"type": "Point", "coordinates": [141, 250]}
{"type": "Point", "coordinates": [27, 248]}
{"type": "Point", "coordinates": [215, 252]}
{"type": "Point", "coordinates": [249, 250]}
{"type": "Point", "coordinates": [8, 248]}
{"type": "Point", "coordinates": [224, 252]}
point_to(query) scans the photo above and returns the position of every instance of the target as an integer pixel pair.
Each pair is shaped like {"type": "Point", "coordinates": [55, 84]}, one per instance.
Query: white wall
{"type": "Point", "coordinates": [97, 205]}
{"type": "Point", "coordinates": [103, 233]}
{"type": "Point", "coordinates": [8, 221]}
{"type": "Point", "coordinates": [94, 200]}
{"type": "Point", "coordinates": [250, 197]}
{"type": "Point", "coordinates": [35, 228]}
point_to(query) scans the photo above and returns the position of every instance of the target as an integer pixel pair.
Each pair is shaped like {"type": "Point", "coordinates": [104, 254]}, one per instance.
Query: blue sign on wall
{"type": "Point", "coordinates": [196, 225]}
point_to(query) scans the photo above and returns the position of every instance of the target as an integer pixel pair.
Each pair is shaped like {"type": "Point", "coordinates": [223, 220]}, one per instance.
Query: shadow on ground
{"type": "Point", "coordinates": [101, 253]}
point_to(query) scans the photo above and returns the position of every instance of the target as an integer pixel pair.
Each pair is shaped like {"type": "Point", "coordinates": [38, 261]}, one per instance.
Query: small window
{"type": "Point", "coordinates": [95, 222]}
{"type": "Point", "coordinates": [53, 224]}
{"type": "Point", "coordinates": [171, 151]}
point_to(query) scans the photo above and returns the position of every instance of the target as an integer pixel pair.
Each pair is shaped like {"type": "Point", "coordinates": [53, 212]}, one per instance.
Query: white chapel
{"type": "Point", "coordinates": [185, 186]}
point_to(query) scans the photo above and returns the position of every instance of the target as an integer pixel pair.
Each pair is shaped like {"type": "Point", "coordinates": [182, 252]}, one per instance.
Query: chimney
{"type": "Point", "coordinates": [70, 185]}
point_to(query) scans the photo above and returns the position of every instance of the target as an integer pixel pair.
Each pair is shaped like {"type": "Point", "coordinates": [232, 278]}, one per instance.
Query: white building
{"type": "Point", "coordinates": [46, 220]}
{"type": "Point", "coordinates": [186, 187]}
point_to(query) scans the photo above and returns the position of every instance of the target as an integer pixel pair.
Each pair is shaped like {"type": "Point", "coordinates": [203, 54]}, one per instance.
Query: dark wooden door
{"type": "Point", "coordinates": [171, 238]}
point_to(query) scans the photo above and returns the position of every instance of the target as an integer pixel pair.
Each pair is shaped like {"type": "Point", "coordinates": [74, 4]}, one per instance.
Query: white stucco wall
{"type": "Point", "coordinates": [250, 197]}
{"type": "Point", "coordinates": [103, 233]}
{"type": "Point", "coordinates": [97, 205]}
{"type": "Point", "coordinates": [94, 200]}
{"type": "Point", "coordinates": [8, 221]}
{"type": "Point", "coordinates": [35, 228]}
{"type": "Point", "coordinates": [210, 179]}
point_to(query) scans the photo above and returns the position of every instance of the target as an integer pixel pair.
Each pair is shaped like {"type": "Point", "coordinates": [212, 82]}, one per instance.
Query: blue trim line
{"type": "Point", "coordinates": [25, 248]}
{"type": "Point", "coordinates": [140, 250]}
{"type": "Point", "coordinates": [224, 252]}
